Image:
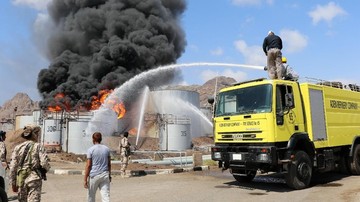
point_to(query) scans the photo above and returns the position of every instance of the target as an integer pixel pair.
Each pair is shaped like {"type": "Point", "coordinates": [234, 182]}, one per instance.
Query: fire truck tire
{"type": "Point", "coordinates": [355, 161]}
{"type": "Point", "coordinates": [3, 195]}
{"type": "Point", "coordinates": [2, 183]}
{"type": "Point", "coordinates": [345, 165]}
{"type": "Point", "coordinates": [299, 171]}
{"type": "Point", "coordinates": [248, 178]}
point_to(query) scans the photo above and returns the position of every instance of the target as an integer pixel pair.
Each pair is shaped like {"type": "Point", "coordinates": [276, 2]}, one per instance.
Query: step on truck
{"type": "Point", "coordinates": [298, 129]}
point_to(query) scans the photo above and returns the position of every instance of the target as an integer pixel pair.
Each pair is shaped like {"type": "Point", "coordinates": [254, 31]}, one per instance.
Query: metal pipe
{"type": "Point", "coordinates": [168, 161]}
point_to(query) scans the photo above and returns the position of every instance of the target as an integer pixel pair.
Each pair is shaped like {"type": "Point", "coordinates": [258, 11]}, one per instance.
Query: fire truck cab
{"type": "Point", "coordinates": [284, 126]}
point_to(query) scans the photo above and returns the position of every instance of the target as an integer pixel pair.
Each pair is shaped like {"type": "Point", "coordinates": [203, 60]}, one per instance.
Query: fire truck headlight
{"type": "Point", "coordinates": [217, 155]}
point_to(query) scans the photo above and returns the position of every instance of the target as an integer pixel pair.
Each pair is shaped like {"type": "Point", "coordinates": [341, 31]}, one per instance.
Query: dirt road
{"type": "Point", "coordinates": [210, 185]}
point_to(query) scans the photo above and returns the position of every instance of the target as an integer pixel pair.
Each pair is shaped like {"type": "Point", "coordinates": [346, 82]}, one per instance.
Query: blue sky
{"type": "Point", "coordinates": [320, 40]}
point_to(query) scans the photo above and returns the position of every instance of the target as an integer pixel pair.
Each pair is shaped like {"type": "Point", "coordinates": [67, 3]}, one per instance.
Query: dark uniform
{"type": "Point", "coordinates": [272, 46]}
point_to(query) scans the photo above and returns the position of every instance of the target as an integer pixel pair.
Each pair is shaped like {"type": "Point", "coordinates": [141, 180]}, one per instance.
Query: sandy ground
{"type": "Point", "coordinates": [211, 185]}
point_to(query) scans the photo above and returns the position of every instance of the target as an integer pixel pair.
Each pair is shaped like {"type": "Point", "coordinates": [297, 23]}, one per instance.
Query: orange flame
{"type": "Point", "coordinates": [118, 107]}
{"type": "Point", "coordinates": [115, 104]}
{"type": "Point", "coordinates": [54, 108]}
{"type": "Point", "coordinates": [97, 101]}
{"type": "Point", "coordinates": [60, 103]}
{"type": "Point", "coordinates": [132, 131]}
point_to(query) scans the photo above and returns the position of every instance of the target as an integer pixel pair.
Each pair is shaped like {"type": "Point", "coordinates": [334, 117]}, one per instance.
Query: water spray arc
{"type": "Point", "coordinates": [215, 64]}
{"type": "Point", "coordinates": [132, 86]}
{"type": "Point", "coordinates": [142, 112]}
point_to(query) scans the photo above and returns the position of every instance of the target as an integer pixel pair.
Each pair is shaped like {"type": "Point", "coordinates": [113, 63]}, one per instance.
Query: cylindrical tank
{"type": "Point", "coordinates": [77, 140]}
{"type": "Point", "coordinates": [51, 132]}
{"type": "Point", "coordinates": [36, 117]}
{"type": "Point", "coordinates": [23, 120]}
{"type": "Point", "coordinates": [175, 133]}
{"type": "Point", "coordinates": [174, 101]}
{"type": "Point", "coordinates": [178, 103]}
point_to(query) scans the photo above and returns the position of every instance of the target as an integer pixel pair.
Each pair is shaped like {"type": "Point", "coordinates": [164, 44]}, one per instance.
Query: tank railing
{"type": "Point", "coordinates": [335, 84]}
{"type": "Point", "coordinates": [175, 119]}
{"type": "Point", "coordinates": [73, 115]}
{"type": "Point", "coordinates": [180, 159]}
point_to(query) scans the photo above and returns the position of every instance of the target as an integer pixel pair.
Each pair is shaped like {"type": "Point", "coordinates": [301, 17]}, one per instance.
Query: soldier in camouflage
{"type": "Point", "coordinates": [29, 156]}
{"type": "Point", "coordinates": [124, 153]}
{"type": "Point", "coordinates": [3, 149]}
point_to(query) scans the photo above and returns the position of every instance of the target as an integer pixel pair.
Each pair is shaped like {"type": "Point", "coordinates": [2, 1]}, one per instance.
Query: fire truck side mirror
{"type": "Point", "coordinates": [289, 100]}
{"type": "Point", "coordinates": [211, 100]}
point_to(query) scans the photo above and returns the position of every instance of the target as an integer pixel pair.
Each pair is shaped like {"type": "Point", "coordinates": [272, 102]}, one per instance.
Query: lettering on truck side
{"type": "Point", "coordinates": [343, 105]}
{"type": "Point", "coordinates": [251, 123]}
{"type": "Point", "coordinates": [229, 124]}
{"type": "Point", "coordinates": [245, 123]}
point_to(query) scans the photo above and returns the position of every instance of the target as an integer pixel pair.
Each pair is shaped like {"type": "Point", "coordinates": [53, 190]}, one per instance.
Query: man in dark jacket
{"type": "Point", "coordinates": [272, 46]}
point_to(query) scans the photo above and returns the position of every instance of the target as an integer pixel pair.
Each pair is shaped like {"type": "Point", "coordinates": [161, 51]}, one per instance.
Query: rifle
{"type": "Point", "coordinates": [42, 173]}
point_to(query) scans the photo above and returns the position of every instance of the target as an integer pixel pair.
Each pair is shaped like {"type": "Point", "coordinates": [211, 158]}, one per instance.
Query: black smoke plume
{"type": "Point", "coordinates": [100, 44]}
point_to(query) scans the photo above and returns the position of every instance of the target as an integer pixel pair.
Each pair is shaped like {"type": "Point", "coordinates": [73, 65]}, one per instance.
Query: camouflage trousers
{"type": "Point", "coordinates": [124, 163]}
{"type": "Point", "coordinates": [274, 64]}
{"type": "Point", "coordinates": [30, 192]}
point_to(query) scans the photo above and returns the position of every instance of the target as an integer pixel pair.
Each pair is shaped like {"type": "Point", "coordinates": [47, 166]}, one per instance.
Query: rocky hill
{"type": "Point", "coordinates": [208, 89]}
{"type": "Point", "coordinates": [21, 103]}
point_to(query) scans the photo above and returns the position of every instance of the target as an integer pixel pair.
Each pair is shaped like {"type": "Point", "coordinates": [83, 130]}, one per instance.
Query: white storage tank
{"type": "Point", "coordinates": [179, 103]}
{"type": "Point", "coordinates": [36, 117]}
{"type": "Point", "coordinates": [22, 120]}
{"type": "Point", "coordinates": [175, 133]}
{"type": "Point", "coordinates": [166, 100]}
{"type": "Point", "coordinates": [77, 140]}
{"type": "Point", "coordinates": [51, 136]}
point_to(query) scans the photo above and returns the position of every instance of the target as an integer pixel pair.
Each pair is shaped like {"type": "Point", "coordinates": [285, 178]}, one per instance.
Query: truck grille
{"type": "Point", "coordinates": [239, 136]}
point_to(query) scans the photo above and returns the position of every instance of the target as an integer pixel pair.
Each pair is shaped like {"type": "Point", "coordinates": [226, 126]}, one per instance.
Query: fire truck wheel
{"type": "Point", "coordinates": [299, 171]}
{"type": "Point", "coordinates": [248, 178]}
{"type": "Point", "coordinates": [3, 195]}
{"type": "Point", "coordinates": [344, 165]}
{"type": "Point", "coordinates": [355, 162]}
{"type": "Point", "coordinates": [2, 183]}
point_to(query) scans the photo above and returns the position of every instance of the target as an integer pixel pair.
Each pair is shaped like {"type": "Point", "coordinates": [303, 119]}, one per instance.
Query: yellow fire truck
{"type": "Point", "coordinates": [287, 127]}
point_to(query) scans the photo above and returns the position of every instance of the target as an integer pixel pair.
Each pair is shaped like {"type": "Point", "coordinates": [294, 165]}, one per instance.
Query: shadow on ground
{"type": "Point", "coordinates": [275, 182]}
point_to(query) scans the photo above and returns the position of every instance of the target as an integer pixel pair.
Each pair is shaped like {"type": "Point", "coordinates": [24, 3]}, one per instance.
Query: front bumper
{"type": "Point", "coordinates": [249, 157]}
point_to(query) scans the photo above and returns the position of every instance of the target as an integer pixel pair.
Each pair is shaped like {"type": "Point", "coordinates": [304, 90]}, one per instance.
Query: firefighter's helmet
{"type": "Point", "coordinates": [283, 60]}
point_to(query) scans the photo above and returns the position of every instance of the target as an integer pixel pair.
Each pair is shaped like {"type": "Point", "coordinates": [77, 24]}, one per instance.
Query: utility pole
{"type": "Point", "coordinates": [14, 115]}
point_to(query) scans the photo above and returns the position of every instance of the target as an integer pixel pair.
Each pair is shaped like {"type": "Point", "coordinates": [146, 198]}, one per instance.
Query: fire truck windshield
{"type": "Point", "coordinates": [249, 100]}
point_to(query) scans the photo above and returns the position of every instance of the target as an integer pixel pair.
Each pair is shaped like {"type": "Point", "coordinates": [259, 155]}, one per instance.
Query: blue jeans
{"type": "Point", "coordinates": [102, 182]}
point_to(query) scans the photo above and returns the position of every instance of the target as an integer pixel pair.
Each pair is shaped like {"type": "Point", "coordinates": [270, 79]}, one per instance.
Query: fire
{"type": "Point", "coordinates": [120, 110]}
{"type": "Point", "coordinates": [97, 101]}
{"type": "Point", "coordinates": [60, 103]}
{"type": "Point", "coordinates": [54, 108]}
{"type": "Point", "coordinates": [118, 107]}
{"type": "Point", "coordinates": [133, 131]}
{"type": "Point", "coordinates": [115, 104]}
